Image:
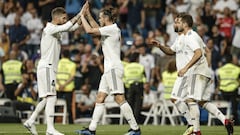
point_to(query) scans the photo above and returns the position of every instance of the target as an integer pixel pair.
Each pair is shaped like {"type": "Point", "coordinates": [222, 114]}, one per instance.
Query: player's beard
{"type": "Point", "coordinates": [176, 29]}
{"type": "Point", "coordinates": [102, 24]}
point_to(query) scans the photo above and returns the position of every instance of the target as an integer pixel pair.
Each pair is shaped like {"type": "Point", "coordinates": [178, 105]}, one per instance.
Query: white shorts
{"type": "Point", "coordinates": [111, 82]}
{"type": "Point", "coordinates": [199, 87]}
{"type": "Point", "coordinates": [180, 88]}
{"type": "Point", "coordinates": [46, 79]}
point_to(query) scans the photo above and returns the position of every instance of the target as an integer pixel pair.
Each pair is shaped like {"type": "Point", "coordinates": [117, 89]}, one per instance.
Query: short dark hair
{"type": "Point", "coordinates": [134, 57]}
{"type": "Point", "coordinates": [111, 13]}
{"type": "Point", "coordinates": [186, 18]}
{"type": "Point", "coordinates": [58, 11]}
{"type": "Point", "coordinates": [66, 53]}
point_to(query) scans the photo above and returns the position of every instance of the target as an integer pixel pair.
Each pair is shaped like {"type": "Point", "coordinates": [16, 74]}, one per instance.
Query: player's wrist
{"type": "Point", "coordinates": [79, 16]}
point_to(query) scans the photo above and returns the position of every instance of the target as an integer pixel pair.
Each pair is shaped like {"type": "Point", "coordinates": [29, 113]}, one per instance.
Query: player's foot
{"type": "Point", "coordinates": [189, 130]}
{"type": "Point", "coordinates": [197, 133]}
{"type": "Point", "coordinates": [85, 131]}
{"type": "Point", "coordinates": [54, 132]}
{"type": "Point", "coordinates": [31, 127]}
{"type": "Point", "coordinates": [133, 132]}
{"type": "Point", "coordinates": [229, 126]}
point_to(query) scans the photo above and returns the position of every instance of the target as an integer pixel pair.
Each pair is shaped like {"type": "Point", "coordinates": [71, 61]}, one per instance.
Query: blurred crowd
{"type": "Point", "coordinates": [22, 21]}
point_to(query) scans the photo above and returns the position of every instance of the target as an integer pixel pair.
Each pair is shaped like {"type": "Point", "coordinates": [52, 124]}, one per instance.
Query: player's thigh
{"type": "Point", "coordinates": [115, 81]}
{"type": "Point", "coordinates": [208, 90]}
{"type": "Point", "coordinates": [46, 82]}
{"type": "Point", "coordinates": [179, 89]}
{"type": "Point", "coordinates": [103, 85]}
{"type": "Point", "coordinates": [196, 86]}
{"type": "Point", "coordinates": [111, 82]}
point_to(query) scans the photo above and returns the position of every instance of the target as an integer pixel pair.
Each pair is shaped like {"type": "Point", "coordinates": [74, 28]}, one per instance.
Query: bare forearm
{"type": "Point", "coordinates": [69, 81]}
{"type": "Point", "coordinates": [75, 18]}
{"type": "Point", "coordinates": [143, 16]}
{"type": "Point", "coordinates": [34, 94]}
{"type": "Point", "coordinates": [85, 24]}
{"type": "Point", "coordinates": [18, 90]}
{"type": "Point", "coordinates": [166, 50]}
{"type": "Point", "coordinates": [42, 3]}
{"type": "Point", "coordinates": [197, 55]}
{"type": "Point", "coordinates": [92, 22]}
{"type": "Point", "coordinates": [25, 40]}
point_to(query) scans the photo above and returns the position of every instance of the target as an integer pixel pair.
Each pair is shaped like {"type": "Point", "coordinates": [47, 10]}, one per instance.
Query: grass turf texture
{"type": "Point", "coordinates": [18, 129]}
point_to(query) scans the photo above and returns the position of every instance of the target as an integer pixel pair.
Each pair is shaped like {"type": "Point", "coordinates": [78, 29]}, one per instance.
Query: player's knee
{"type": "Point", "coordinates": [173, 100]}
{"type": "Point", "coordinates": [119, 98]}
{"type": "Point", "coordinates": [201, 103]}
{"type": "Point", "coordinates": [100, 98]}
{"type": "Point", "coordinates": [190, 100]}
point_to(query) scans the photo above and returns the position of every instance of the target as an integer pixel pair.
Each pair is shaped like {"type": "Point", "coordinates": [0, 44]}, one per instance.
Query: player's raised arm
{"type": "Point", "coordinates": [165, 49]}
{"type": "Point", "coordinates": [90, 19]}
{"type": "Point", "coordinates": [59, 19]}
{"type": "Point", "coordinates": [88, 28]}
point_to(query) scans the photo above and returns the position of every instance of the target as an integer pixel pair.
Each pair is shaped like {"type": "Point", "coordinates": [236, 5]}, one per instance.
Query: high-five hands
{"type": "Point", "coordinates": [85, 8]}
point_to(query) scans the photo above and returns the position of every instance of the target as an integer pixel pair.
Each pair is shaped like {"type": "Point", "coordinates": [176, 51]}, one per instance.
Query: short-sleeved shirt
{"type": "Point", "coordinates": [111, 42]}
{"type": "Point", "coordinates": [178, 47]}
{"type": "Point", "coordinates": [192, 42]}
{"type": "Point", "coordinates": [148, 62]}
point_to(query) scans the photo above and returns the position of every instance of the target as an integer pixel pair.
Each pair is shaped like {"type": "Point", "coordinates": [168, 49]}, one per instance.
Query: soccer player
{"type": "Point", "coordinates": [47, 67]}
{"type": "Point", "coordinates": [111, 80]}
{"type": "Point", "coordinates": [179, 89]}
{"type": "Point", "coordinates": [198, 75]}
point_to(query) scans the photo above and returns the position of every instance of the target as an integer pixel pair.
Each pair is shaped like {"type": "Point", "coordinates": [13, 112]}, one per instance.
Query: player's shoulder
{"type": "Point", "coordinates": [49, 26]}
{"type": "Point", "coordinates": [191, 33]}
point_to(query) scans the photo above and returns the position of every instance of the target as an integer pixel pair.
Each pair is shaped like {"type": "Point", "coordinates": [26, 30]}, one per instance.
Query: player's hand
{"type": "Point", "coordinates": [155, 43]}
{"type": "Point", "coordinates": [85, 8]}
{"type": "Point", "coordinates": [61, 87]}
{"type": "Point", "coordinates": [182, 72]}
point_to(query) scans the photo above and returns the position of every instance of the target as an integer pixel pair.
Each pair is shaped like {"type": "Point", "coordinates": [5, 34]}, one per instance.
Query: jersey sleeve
{"type": "Point", "coordinates": [60, 28]}
{"type": "Point", "coordinates": [193, 43]}
{"type": "Point", "coordinates": [74, 27]}
{"type": "Point", "coordinates": [173, 47]}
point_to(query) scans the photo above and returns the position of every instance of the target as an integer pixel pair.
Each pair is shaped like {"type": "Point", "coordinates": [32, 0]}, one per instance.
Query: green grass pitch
{"type": "Point", "coordinates": [18, 129]}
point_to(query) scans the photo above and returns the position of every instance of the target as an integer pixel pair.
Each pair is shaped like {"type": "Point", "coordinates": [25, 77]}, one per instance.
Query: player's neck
{"type": "Point", "coordinates": [186, 31]}
{"type": "Point", "coordinates": [109, 23]}
{"type": "Point", "coordinates": [54, 22]}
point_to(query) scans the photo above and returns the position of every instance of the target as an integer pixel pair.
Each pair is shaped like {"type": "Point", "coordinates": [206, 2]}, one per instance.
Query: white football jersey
{"type": "Point", "coordinates": [192, 42]}
{"type": "Point", "coordinates": [178, 48]}
{"type": "Point", "coordinates": [111, 43]}
{"type": "Point", "coordinates": [50, 44]}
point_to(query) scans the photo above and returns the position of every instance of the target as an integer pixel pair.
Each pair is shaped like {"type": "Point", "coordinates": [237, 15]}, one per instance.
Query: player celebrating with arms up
{"type": "Point", "coordinates": [111, 80]}
{"type": "Point", "coordinates": [47, 67]}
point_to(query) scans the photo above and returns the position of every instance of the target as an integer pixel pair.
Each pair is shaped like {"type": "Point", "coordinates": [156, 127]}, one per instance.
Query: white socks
{"type": "Point", "coordinates": [125, 108]}
{"type": "Point", "coordinates": [49, 111]}
{"type": "Point", "coordinates": [195, 114]}
{"type": "Point", "coordinates": [128, 114]}
{"type": "Point", "coordinates": [37, 110]}
{"type": "Point", "coordinates": [97, 114]}
{"type": "Point", "coordinates": [215, 111]}
{"type": "Point", "coordinates": [184, 110]}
